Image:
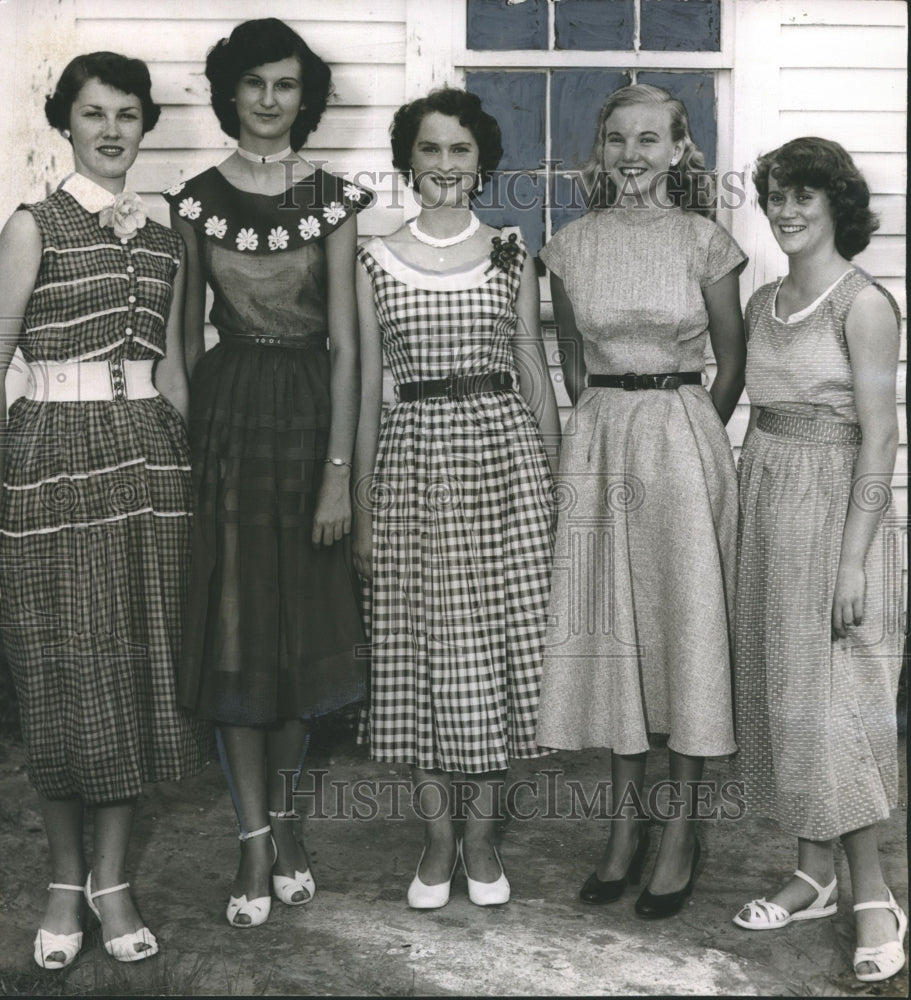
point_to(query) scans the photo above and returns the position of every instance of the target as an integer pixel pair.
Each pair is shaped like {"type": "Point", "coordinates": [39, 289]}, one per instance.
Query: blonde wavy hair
{"type": "Point", "coordinates": [690, 185]}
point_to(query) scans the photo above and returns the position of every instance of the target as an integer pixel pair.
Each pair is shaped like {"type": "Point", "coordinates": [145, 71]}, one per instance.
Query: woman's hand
{"type": "Point", "coordinates": [848, 602]}
{"type": "Point", "coordinates": [332, 519]}
{"type": "Point", "coordinates": [362, 543]}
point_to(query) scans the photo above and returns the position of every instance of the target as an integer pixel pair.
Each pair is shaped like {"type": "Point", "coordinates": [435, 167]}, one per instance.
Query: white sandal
{"type": "Point", "coordinates": [889, 958]}
{"type": "Point", "coordinates": [257, 909]}
{"type": "Point", "coordinates": [131, 947]}
{"type": "Point", "coordinates": [762, 915]}
{"type": "Point", "coordinates": [48, 943]}
{"type": "Point", "coordinates": [286, 887]}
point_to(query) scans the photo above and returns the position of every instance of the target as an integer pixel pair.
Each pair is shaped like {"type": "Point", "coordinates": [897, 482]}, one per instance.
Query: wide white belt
{"type": "Point", "coordinates": [85, 381]}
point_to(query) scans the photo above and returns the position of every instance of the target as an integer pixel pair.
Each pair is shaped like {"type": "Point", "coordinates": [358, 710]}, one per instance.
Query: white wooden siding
{"type": "Point", "coordinates": [828, 67]}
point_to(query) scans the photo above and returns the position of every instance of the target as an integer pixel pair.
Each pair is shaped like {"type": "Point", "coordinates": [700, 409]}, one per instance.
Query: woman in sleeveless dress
{"type": "Point", "coordinates": [94, 519]}
{"type": "Point", "coordinates": [453, 512]}
{"type": "Point", "coordinates": [644, 565]}
{"type": "Point", "coordinates": [818, 638]}
{"type": "Point", "coordinates": [273, 623]}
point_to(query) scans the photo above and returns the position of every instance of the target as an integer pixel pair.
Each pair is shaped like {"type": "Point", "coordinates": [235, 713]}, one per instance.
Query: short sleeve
{"type": "Point", "coordinates": [554, 254]}
{"type": "Point", "coordinates": [723, 255]}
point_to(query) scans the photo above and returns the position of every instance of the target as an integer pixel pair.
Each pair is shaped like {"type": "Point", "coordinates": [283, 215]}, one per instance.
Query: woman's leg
{"type": "Point", "coordinates": [113, 823]}
{"type": "Point", "coordinates": [678, 837]}
{"type": "Point", "coordinates": [286, 747]}
{"type": "Point", "coordinates": [482, 808]}
{"type": "Point", "coordinates": [627, 780]}
{"type": "Point", "coordinates": [874, 927]}
{"type": "Point", "coordinates": [63, 826]}
{"type": "Point", "coordinates": [432, 796]}
{"type": "Point", "coordinates": [243, 758]}
{"type": "Point", "coordinates": [814, 858]}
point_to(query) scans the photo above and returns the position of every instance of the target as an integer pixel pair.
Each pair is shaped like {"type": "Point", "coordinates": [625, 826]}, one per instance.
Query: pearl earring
{"type": "Point", "coordinates": [66, 133]}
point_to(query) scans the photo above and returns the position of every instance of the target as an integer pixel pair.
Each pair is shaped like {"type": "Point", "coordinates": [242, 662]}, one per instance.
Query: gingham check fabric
{"type": "Point", "coordinates": [463, 537]}
{"type": "Point", "coordinates": [94, 527]}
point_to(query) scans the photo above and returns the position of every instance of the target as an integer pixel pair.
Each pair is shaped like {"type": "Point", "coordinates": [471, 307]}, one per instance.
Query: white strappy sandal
{"type": "Point", "coordinates": [131, 947]}
{"type": "Point", "coordinates": [48, 943]}
{"type": "Point", "coordinates": [286, 887]}
{"type": "Point", "coordinates": [257, 909]}
{"type": "Point", "coordinates": [762, 915]}
{"type": "Point", "coordinates": [889, 958]}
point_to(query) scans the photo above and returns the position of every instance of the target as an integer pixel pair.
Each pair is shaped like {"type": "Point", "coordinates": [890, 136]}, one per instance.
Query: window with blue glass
{"type": "Point", "coordinates": [548, 114]}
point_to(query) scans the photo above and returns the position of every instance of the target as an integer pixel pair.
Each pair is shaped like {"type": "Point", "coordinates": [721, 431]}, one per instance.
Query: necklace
{"type": "Point", "coordinates": [450, 241]}
{"type": "Point", "coordinates": [271, 158]}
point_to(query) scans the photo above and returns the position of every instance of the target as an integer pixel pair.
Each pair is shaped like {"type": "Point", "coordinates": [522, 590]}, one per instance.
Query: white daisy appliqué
{"type": "Point", "coordinates": [190, 208]}
{"type": "Point", "coordinates": [309, 228]}
{"type": "Point", "coordinates": [333, 212]}
{"type": "Point", "coordinates": [353, 193]}
{"type": "Point", "coordinates": [216, 227]}
{"type": "Point", "coordinates": [247, 240]}
{"type": "Point", "coordinates": [278, 238]}
{"type": "Point", "coordinates": [176, 189]}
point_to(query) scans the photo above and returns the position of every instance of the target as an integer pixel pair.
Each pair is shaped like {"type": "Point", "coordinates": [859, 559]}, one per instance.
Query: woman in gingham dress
{"type": "Point", "coordinates": [94, 522]}
{"type": "Point", "coordinates": [458, 484]}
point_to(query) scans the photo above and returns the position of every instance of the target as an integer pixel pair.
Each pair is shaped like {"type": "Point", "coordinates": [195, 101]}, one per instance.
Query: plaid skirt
{"type": "Point", "coordinates": [94, 559]}
{"type": "Point", "coordinates": [463, 543]}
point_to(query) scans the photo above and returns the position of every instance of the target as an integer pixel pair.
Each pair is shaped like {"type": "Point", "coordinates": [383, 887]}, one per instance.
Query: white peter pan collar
{"type": "Point", "coordinates": [91, 196]}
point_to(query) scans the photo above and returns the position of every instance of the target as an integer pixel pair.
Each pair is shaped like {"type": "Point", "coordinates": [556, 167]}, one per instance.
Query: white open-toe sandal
{"type": "Point", "coordinates": [286, 887]}
{"type": "Point", "coordinates": [131, 947]}
{"type": "Point", "coordinates": [48, 943]}
{"type": "Point", "coordinates": [257, 909]}
{"type": "Point", "coordinates": [888, 958]}
{"type": "Point", "coordinates": [762, 915]}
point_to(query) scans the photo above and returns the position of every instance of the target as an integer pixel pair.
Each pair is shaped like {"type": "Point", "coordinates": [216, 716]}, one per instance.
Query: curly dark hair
{"type": "Point", "coordinates": [455, 104]}
{"type": "Point", "coordinates": [824, 165]}
{"type": "Point", "coordinates": [255, 43]}
{"type": "Point", "coordinates": [130, 76]}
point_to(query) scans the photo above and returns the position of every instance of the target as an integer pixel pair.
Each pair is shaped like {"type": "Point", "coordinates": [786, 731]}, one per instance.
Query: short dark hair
{"type": "Point", "coordinates": [130, 76]}
{"type": "Point", "coordinates": [255, 43]}
{"type": "Point", "coordinates": [455, 104]}
{"type": "Point", "coordinates": [825, 165]}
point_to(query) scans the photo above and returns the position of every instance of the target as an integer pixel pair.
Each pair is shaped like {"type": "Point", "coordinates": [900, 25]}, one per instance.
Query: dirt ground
{"type": "Point", "coordinates": [359, 937]}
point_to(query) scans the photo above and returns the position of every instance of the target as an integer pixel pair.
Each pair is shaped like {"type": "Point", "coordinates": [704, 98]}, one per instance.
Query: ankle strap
{"type": "Point", "coordinates": [114, 888]}
{"type": "Point", "coordinates": [821, 890]}
{"type": "Point", "coordinates": [254, 833]}
{"type": "Point", "coordinates": [284, 814]}
{"type": "Point", "coordinates": [65, 885]}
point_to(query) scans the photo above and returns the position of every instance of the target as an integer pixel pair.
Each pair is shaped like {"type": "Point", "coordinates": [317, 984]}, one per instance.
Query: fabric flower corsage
{"type": "Point", "coordinates": [505, 252]}
{"type": "Point", "coordinates": [126, 215]}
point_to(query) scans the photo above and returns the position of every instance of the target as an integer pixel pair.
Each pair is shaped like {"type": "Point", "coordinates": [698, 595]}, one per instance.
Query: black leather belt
{"type": "Point", "coordinates": [631, 381]}
{"type": "Point", "coordinates": [453, 386]}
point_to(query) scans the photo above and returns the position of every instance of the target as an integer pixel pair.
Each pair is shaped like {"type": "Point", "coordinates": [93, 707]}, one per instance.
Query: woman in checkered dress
{"type": "Point", "coordinates": [94, 519]}
{"type": "Point", "coordinates": [273, 625]}
{"type": "Point", "coordinates": [453, 523]}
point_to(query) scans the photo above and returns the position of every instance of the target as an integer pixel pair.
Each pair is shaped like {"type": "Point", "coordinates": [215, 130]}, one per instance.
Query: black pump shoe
{"type": "Point", "coordinates": [597, 891]}
{"type": "Point", "coordinates": [654, 907]}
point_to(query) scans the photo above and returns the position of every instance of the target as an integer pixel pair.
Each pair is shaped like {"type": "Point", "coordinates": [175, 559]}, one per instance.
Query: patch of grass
{"type": "Point", "coordinates": [97, 976]}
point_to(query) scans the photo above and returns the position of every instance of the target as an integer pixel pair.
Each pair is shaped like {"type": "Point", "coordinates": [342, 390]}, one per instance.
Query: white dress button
{"type": "Point", "coordinates": [130, 269]}
{"type": "Point", "coordinates": [128, 331]}
{"type": "Point", "coordinates": [131, 299]}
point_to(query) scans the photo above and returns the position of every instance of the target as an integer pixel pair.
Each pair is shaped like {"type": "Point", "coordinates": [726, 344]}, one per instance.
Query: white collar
{"type": "Point", "coordinates": [93, 197]}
